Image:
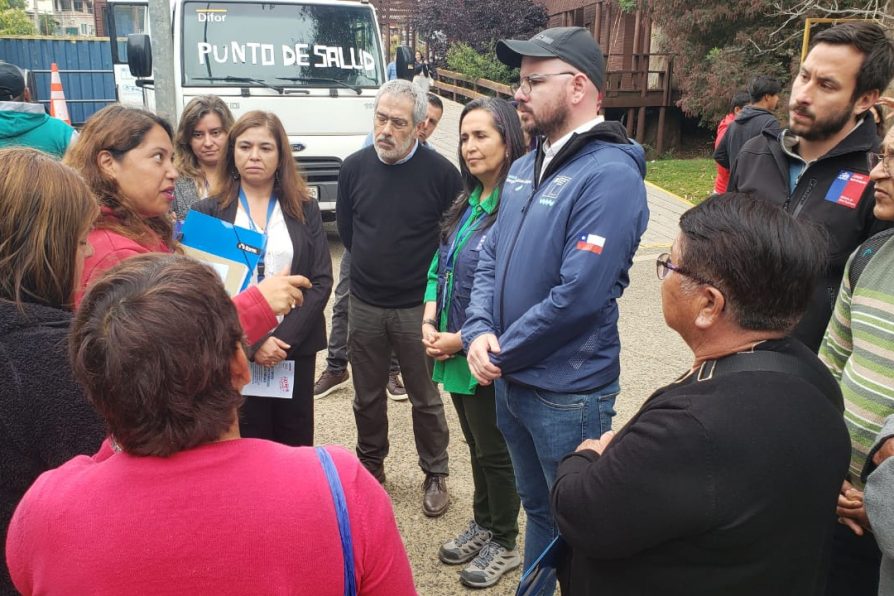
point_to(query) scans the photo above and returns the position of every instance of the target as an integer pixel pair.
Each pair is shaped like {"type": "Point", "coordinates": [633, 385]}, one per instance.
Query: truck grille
{"type": "Point", "coordinates": [319, 169]}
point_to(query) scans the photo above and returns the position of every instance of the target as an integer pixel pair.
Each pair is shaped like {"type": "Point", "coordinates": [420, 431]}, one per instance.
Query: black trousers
{"type": "Point", "coordinates": [854, 570]}
{"type": "Point", "coordinates": [287, 421]}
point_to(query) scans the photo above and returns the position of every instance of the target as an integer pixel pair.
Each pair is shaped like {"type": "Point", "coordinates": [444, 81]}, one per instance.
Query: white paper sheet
{"type": "Point", "coordinates": [271, 382]}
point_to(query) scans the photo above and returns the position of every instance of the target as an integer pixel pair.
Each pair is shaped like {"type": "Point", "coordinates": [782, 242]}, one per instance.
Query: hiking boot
{"type": "Point", "coordinates": [329, 381]}
{"type": "Point", "coordinates": [466, 546]}
{"type": "Point", "coordinates": [492, 562]}
{"type": "Point", "coordinates": [395, 387]}
{"type": "Point", "coordinates": [435, 497]}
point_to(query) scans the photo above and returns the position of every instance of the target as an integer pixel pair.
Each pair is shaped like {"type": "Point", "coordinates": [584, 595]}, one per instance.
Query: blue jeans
{"type": "Point", "coordinates": [542, 427]}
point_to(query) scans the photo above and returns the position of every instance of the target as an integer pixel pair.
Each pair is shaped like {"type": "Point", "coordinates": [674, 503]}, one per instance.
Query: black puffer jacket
{"type": "Point", "coordinates": [45, 420]}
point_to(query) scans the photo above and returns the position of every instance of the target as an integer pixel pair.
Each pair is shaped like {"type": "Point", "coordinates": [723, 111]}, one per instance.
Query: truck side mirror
{"type": "Point", "coordinates": [405, 62]}
{"type": "Point", "coordinates": [139, 55]}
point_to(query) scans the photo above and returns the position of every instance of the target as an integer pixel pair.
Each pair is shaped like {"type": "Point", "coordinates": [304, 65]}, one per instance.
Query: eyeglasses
{"type": "Point", "coordinates": [663, 265]}
{"type": "Point", "coordinates": [531, 81]}
{"type": "Point", "coordinates": [396, 123]}
{"type": "Point", "coordinates": [887, 161]}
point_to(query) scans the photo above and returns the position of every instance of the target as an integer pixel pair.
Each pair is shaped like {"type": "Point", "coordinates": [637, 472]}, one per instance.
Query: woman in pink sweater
{"type": "Point", "coordinates": [126, 156]}
{"type": "Point", "coordinates": [176, 501]}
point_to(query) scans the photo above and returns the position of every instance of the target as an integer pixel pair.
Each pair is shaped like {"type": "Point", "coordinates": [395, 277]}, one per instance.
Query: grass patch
{"type": "Point", "coordinates": [692, 179]}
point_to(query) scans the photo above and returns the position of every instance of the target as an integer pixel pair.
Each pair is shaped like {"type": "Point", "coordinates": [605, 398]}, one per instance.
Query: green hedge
{"type": "Point", "coordinates": [463, 58]}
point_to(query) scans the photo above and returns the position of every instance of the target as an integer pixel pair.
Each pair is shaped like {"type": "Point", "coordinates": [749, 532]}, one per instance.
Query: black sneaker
{"type": "Point", "coordinates": [329, 381]}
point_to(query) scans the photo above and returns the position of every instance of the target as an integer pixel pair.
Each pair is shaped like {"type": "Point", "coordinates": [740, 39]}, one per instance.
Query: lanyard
{"type": "Point", "coordinates": [271, 205]}
{"type": "Point", "coordinates": [466, 228]}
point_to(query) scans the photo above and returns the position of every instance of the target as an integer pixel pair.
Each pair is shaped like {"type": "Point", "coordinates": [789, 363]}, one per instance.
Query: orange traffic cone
{"type": "Point", "coordinates": [58, 107]}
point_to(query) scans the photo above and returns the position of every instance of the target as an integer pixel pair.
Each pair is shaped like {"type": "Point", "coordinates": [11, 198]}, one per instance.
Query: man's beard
{"type": "Point", "coordinates": [395, 153]}
{"type": "Point", "coordinates": [822, 129]}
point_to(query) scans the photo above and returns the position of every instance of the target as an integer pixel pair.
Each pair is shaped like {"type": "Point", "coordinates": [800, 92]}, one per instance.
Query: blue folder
{"type": "Point", "coordinates": [222, 244]}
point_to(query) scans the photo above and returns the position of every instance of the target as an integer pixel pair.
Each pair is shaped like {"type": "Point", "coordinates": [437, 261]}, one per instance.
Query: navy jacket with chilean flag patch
{"type": "Point", "coordinates": [554, 264]}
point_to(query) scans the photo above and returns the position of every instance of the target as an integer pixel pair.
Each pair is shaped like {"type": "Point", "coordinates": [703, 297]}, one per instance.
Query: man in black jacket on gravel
{"type": "Point", "coordinates": [818, 168]}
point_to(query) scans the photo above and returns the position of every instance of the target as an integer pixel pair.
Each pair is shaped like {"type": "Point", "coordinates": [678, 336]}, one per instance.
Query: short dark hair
{"type": "Point", "coordinates": [764, 261]}
{"type": "Point", "coordinates": [762, 85]}
{"type": "Point", "coordinates": [871, 40]}
{"type": "Point", "coordinates": [152, 344]}
{"type": "Point", "coordinates": [739, 100]}
{"type": "Point", "coordinates": [434, 100]}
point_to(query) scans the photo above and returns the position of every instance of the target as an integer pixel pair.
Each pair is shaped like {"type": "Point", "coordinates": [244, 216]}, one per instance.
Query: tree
{"type": "Point", "coordinates": [478, 23]}
{"type": "Point", "coordinates": [720, 45]}
{"type": "Point", "coordinates": [13, 18]}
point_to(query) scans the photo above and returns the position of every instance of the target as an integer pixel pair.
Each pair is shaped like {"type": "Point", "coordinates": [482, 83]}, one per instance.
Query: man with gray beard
{"type": "Point", "coordinates": [391, 197]}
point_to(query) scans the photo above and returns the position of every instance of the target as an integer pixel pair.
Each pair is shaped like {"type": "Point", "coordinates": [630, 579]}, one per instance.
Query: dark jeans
{"type": "Point", "coordinates": [375, 332]}
{"type": "Point", "coordinates": [854, 570]}
{"type": "Point", "coordinates": [287, 421]}
{"type": "Point", "coordinates": [337, 355]}
{"type": "Point", "coordinates": [496, 501]}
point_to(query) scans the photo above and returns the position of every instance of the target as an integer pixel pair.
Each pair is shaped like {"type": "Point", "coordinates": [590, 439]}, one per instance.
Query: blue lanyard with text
{"type": "Point", "coordinates": [465, 229]}
{"type": "Point", "coordinates": [270, 207]}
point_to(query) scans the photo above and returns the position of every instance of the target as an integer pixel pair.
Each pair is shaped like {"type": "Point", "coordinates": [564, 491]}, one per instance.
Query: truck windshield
{"type": "Point", "coordinates": [291, 45]}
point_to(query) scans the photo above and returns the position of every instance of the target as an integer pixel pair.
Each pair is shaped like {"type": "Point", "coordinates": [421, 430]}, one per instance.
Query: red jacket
{"type": "Point", "coordinates": [110, 248]}
{"type": "Point", "coordinates": [722, 180]}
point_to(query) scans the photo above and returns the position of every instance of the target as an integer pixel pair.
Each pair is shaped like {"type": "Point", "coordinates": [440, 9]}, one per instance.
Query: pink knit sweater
{"type": "Point", "coordinates": [236, 517]}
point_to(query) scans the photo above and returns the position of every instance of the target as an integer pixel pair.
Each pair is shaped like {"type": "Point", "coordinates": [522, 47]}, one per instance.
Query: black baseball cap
{"type": "Point", "coordinates": [573, 45]}
{"type": "Point", "coordinates": [12, 82]}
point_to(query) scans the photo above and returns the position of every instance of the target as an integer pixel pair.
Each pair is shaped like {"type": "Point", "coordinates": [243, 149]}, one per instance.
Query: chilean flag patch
{"type": "Point", "coordinates": [591, 243]}
{"type": "Point", "coordinates": [847, 190]}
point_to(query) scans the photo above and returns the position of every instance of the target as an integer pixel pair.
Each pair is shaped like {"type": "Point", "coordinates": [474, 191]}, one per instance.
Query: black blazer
{"type": "Point", "coordinates": [305, 327]}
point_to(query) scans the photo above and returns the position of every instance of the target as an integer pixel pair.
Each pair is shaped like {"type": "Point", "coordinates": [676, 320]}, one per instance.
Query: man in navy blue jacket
{"type": "Point", "coordinates": [543, 315]}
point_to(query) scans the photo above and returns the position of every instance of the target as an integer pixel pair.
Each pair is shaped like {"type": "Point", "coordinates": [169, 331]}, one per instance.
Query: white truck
{"type": "Point", "coordinates": [317, 64]}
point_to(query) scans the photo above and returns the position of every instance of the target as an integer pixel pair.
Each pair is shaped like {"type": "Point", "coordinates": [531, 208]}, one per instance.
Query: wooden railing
{"type": "Point", "coordinates": [462, 88]}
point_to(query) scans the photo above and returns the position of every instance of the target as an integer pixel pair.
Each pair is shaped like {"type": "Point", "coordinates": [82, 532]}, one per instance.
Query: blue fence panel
{"type": "Point", "coordinates": [85, 67]}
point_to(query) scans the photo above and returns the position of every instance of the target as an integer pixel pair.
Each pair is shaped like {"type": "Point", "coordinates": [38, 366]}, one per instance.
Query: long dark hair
{"type": "Point", "coordinates": [118, 129]}
{"type": "Point", "coordinates": [505, 120]}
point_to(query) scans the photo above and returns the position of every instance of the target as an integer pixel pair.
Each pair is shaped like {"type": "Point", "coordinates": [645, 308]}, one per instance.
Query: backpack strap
{"type": "Point", "coordinates": [344, 522]}
{"type": "Point", "coordinates": [864, 253]}
{"type": "Point", "coordinates": [768, 361]}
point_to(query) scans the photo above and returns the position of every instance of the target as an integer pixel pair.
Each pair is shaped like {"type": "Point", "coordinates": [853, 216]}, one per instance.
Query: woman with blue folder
{"type": "Point", "coordinates": [490, 140]}
{"type": "Point", "coordinates": [261, 190]}
{"type": "Point", "coordinates": [126, 157]}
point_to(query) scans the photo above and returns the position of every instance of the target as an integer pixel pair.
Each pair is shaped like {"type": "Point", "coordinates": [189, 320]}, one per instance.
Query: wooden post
{"type": "Point", "coordinates": [597, 25]}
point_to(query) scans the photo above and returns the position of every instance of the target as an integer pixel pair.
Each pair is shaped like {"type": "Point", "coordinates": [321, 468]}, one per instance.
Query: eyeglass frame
{"type": "Point", "coordinates": [663, 262]}
{"type": "Point", "coordinates": [535, 78]}
{"type": "Point", "coordinates": [396, 123]}
{"type": "Point", "coordinates": [881, 158]}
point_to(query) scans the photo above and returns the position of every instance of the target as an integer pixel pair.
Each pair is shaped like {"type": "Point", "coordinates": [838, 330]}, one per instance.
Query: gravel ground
{"type": "Point", "coordinates": [651, 356]}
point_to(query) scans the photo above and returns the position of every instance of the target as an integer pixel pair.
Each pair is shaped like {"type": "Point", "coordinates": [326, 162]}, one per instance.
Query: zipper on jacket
{"type": "Point", "coordinates": [807, 192]}
{"type": "Point", "coordinates": [524, 211]}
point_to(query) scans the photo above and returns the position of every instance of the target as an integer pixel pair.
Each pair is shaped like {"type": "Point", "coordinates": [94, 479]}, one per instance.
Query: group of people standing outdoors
{"type": "Point", "coordinates": [499, 282]}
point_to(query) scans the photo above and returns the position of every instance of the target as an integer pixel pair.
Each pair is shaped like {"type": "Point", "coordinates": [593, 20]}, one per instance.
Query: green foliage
{"type": "Point", "coordinates": [692, 179]}
{"type": "Point", "coordinates": [628, 5]}
{"type": "Point", "coordinates": [14, 21]}
{"type": "Point", "coordinates": [478, 23]}
{"type": "Point", "coordinates": [7, 4]}
{"type": "Point", "coordinates": [719, 46]}
{"type": "Point", "coordinates": [48, 25]}
{"type": "Point", "coordinates": [463, 58]}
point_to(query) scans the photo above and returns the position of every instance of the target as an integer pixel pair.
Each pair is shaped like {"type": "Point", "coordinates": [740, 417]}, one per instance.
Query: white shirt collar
{"type": "Point", "coordinates": [551, 149]}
